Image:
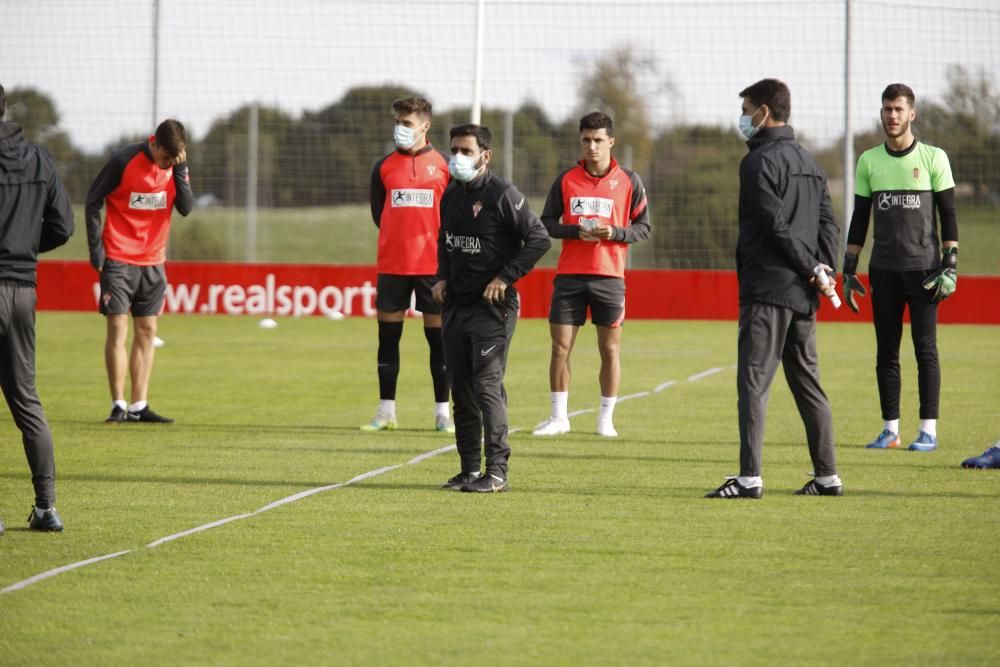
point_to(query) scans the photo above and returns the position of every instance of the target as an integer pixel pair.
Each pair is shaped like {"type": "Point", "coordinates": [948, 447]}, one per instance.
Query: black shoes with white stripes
{"type": "Point", "coordinates": [733, 489]}
{"type": "Point", "coordinates": [814, 488]}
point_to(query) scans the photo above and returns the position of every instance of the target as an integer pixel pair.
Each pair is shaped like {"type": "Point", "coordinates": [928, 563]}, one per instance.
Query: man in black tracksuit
{"type": "Point", "coordinates": [489, 239]}
{"type": "Point", "coordinates": [35, 216]}
{"type": "Point", "coordinates": [788, 236]}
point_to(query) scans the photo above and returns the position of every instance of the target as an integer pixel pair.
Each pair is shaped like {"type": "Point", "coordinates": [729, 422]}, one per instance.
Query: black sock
{"type": "Point", "coordinates": [439, 372]}
{"type": "Point", "coordinates": [389, 334]}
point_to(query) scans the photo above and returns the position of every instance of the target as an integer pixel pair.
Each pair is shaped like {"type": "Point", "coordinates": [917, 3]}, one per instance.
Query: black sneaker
{"type": "Point", "coordinates": [461, 479]}
{"type": "Point", "coordinates": [117, 416]}
{"type": "Point", "coordinates": [814, 488]}
{"type": "Point", "coordinates": [147, 415]}
{"type": "Point", "coordinates": [49, 521]}
{"type": "Point", "coordinates": [488, 483]}
{"type": "Point", "coordinates": [733, 489]}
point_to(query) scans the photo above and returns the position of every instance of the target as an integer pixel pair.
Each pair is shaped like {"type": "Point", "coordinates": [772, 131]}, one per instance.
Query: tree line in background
{"type": "Point", "coordinates": [325, 157]}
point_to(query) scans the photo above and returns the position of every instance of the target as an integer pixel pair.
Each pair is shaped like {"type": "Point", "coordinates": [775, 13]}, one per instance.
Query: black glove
{"type": "Point", "coordinates": [944, 281]}
{"type": "Point", "coordinates": [851, 282]}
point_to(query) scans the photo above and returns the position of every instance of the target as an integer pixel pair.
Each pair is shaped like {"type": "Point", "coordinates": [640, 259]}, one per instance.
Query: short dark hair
{"type": "Point", "coordinates": [407, 105]}
{"type": "Point", "coordinates": [596, 120]}
{"type": "Point", "coordinates": [774, 94]}
{"type": "Point", "coordinates": [480, 132]}
{"type": "Point", "coordinates": [3, 101]}
{"type": "Point", "coordinates": [171, 137]}
{"type": "Point", "coordinates": [897, 90]}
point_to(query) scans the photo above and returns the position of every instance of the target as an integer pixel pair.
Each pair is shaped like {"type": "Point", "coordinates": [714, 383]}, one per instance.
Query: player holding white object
{"type": "Point", "coordinates": [602, 207]}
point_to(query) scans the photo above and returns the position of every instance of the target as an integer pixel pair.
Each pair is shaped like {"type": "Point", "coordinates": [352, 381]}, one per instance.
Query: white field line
{"type": "Point", "coordinates": [59, 570]}
{"type": "Point", "coordinates": [309, 492]}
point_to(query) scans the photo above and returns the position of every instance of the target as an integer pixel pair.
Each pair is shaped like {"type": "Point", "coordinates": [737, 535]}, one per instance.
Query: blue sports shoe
{"type": "Point", "coordinates": [885, 440]}
{"type": "Point", "coordinates": [925, 442]}
{"type": "Point", "coordinates": [989, 459]}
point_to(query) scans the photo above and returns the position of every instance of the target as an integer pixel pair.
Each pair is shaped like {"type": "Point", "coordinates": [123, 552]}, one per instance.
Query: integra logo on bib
{"type": "Point", "coordinates": [147, 201]}
{"type": "Point", "coordinates": [412, 198]}
{"type": "Point", "coordinates": [598, 206]}
{"type": "Point", "coordinates": [887, 200]}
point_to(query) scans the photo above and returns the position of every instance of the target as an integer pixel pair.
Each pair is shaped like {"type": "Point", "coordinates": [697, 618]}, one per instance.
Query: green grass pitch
{"type": "Point", "coordinates": [603, 552]}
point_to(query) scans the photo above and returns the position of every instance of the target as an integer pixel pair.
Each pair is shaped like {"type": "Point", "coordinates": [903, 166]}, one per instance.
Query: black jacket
{"type": "Point", "coordinates": [487, 231]}
{"type": "Point", "coordinates": [35, 212]}
{"type": "Point", "coordinates": [786, 223]}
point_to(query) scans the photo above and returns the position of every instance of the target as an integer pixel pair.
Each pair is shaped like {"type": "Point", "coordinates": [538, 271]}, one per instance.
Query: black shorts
{"type": "Point", "coordinates": [394, 292]}
{"type": "Point", "coordinates": [129, 287]}
{"type": "Point", "coordinates": [572, 295]}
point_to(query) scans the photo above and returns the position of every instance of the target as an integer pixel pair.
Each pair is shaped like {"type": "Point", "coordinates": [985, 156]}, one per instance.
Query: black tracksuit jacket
{"type": "Point", "coordinates": [487, 231]}
{"type": "Point", "coordinates": [35, 211]}
{"type": "Point", "coordinates": [786, 223]}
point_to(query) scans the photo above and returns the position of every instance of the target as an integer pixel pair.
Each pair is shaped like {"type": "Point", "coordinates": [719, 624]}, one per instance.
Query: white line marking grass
{"type": "Point", "coordinates": [309, 492]}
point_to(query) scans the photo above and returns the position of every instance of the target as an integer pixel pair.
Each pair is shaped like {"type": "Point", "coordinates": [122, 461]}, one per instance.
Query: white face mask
{"type": "Point", "coordinates": [747, 128]}
{"type": "Point", "coordinates": [463, 167]}
{"type": "Point", "coordinates": [404, 136]}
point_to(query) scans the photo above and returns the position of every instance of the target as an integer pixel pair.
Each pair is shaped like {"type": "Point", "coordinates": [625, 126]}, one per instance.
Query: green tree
{"type": "Point", "coordinates": [336, 147]}
{"type": "Point", "coordinates": [219, 161]}
{"type": "Point", "coordinates": [621, 84]}
{"type": "Point", "coordinates": [535, 149]}
{"type": "Point", "coordinates": [38, 117]}
{"type": "Point", "coordinates": [966, 124]}
{"type": "Point", "coordinates": [693, 188]}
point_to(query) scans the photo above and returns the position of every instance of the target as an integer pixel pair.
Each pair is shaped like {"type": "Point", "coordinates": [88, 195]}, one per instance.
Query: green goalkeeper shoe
{"type": "Point", "coordinates": [380, 423]}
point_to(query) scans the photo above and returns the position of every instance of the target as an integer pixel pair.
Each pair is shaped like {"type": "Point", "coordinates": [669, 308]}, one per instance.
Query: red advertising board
{"type": "Point", "coordinates": [309, 289]}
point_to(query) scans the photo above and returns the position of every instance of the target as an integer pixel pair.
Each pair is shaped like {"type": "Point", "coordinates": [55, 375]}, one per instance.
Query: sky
{"type": "Point", "coordinates": [95, 59]}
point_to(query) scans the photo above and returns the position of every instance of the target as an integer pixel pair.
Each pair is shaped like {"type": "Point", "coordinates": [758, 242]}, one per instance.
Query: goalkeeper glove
{"type": "Point", "coordinates": [944, 281]}
{"type": "Point", "coordinates": [851, 282]}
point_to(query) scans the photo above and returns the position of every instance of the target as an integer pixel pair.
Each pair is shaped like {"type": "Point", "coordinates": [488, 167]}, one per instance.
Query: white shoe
{"type": "Point", "coordinates": [552, 426]}
{"type": "Point", "coordinates": [606, 428]}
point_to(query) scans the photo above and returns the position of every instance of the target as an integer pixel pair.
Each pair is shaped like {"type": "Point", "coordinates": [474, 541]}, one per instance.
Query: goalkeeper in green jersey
{"type": "Point", "coordinates": [908, 186]}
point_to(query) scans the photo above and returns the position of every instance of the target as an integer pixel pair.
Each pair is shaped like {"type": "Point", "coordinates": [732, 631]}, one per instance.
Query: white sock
{"type": "Point", "coordinates": [607, 408]}
{"type": "Point", "coordinates": [929, 426]}
{"type": "Point", "coordinates": [441, 410]}
{"type": "Point", "coordinates": [560, 404]}
{"type": "Point", "coordinates": [892, 425]}
{"type": "Point", "coordinates": [750, 482]}
{"type": "Point", "coordinates": [387, 408]}
{"type": "Point", "coordinates": [119, 404]}
{"type": "Point", "coordinates": [137, 406]}
{"type": "Point", "coordinates": [41, 512]}
{"type": "Point", "coordinates": [829, 480]}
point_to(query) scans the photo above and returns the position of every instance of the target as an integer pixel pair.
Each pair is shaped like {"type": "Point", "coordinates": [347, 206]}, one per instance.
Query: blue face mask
{"type": "Point", "coordinates": [463, 167]}
{"type": "Point", "coordinates": [747, 128]}
{"type": "Point", "coordinates": [404, 136]}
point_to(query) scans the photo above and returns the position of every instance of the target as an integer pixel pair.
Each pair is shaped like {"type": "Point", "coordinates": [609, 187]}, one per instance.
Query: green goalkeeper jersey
{"type": "Point", "coordinates": [901, 187]}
